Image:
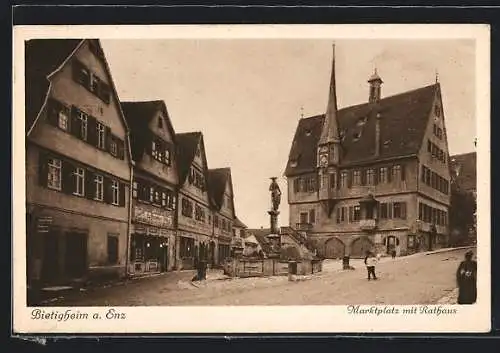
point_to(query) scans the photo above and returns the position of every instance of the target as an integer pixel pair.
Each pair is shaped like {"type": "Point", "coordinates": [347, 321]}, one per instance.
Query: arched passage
{"type": "Point", "coordinates": [334, 248]}
{"type": "Point", "coordinates": [360, 246]}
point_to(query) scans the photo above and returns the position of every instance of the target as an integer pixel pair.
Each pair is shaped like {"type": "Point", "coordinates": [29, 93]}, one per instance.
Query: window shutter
{"type": "Point", "coordinates": [389, 174]}
{"type": "Point", "coordinates": [376, 172]}
{"type": "Point", "coordinates": [363, 176]}
{"type": "Point", "coordinates": [68, 180]}
{"type": "Point", "coordinates": [43, 168]}
{"type": "Point", "coordinates": [92, 130]}
{"type": "Point", "coordinates": [108, 192]}
{"type": "Point", "coordinates": [338, 215]}
{"type": "Point", "coordinates": [403, 172]}
{"type": "Point", "coordinates": [351, 213]}
{"type": "Point", "coordinates": [295, 185]}
{"type": "Point", "coordinates": [89, 185]}
{"type": "Point", "coordinates": [76, 125]}
{"type": "Point", "coordinates": [108, 138]}
{"type": "Point", "coordinates": [121, 195]}
{"type": "Point", "coordinates": [349, 178]}
{"type": "Point", "coordinates": [389, 210]}
{"type": "Point", "coordinates": [53, 108]}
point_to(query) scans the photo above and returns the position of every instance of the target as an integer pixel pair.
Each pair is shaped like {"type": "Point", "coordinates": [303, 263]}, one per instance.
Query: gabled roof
{"type": "Point", "coordinates": [187, 143]}
{"type": "Point", "coordinates": [464, 170]}
{"type": "Point", "coordinates": [42, 57]}
{"type": "Point", "coordinates": [40, 66]}
{"type": "Point", "coordinates": [139, 116]}
{"type": "Point", "coordinates": [239, 223]}
{"type": "Point", "coordinates": [217, 181]}
{"type": "Point", "coordinates": [403, 123]}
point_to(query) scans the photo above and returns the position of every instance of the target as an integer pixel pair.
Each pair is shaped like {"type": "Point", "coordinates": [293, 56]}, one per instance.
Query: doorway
{"type": "Point", "coordinates": [76, 254]}
{"type": "Point", "coordinates": [164, 258]}
{"type": "Point", "coordinates": [51, 254]}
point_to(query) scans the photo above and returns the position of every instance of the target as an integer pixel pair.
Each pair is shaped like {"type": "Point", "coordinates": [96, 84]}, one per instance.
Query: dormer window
{"type": "Point", "coordinates": [308, 132]}
{"type": "Point", "coordinates": [293, 163]}
{"type": "Point", "coordinates": [356, 135]}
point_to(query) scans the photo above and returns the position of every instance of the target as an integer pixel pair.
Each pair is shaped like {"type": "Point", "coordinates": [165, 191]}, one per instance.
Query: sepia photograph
{"type": "Point", "coordinates": [252, 172]}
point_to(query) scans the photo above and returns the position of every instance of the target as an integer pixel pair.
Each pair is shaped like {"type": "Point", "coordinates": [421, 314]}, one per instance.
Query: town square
{"type": "Point", "coordinates": [250, 172]}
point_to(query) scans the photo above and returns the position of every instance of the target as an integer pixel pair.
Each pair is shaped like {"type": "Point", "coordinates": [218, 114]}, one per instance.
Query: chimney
{"type": "Point", "coordinates": [377, 134]}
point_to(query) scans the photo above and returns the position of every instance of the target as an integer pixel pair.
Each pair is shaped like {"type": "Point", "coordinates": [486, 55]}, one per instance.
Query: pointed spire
{"type": "Point", "coordinates": [330, 132]}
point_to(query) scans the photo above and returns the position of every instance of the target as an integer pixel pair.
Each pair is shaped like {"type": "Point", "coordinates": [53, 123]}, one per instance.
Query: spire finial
{"type": "Point", "coordinates": [302, 112]}
{"type": "Point", "coordinates": [437, 76]}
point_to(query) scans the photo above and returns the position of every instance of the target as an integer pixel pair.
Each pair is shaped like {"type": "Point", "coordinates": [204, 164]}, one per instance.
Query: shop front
{"type": "Point", "coordinates": [152, 240]}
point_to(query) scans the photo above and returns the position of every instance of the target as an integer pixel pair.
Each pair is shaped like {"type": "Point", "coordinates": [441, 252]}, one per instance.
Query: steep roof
{"type": "Point", "coordinates": [239, 223]}
{"type": "Point", "coordinates": [42, 57]}
{"type": "Point", "coordinates": [463, 170]}
{"type": "Point", "coordinates": [138, 116]}
{"type": "Point", "coordinates": [403, 124]}
{"type": "Point", "coordinates": [217, 180]}
{"type": "Point", "coordinates": [186, 149]}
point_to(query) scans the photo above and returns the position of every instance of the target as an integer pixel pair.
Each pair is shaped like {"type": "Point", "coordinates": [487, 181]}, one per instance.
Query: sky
{"type": "Point", "coordinates": [247, 95]}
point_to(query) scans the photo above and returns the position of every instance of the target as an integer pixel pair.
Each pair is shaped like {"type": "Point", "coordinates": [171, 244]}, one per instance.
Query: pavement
{"type": "Point", "coordinates": [422, 278]}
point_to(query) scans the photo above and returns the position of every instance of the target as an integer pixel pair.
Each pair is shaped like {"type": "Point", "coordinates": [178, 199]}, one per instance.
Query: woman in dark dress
{"type": "Point", "coordinates": [466, 280]}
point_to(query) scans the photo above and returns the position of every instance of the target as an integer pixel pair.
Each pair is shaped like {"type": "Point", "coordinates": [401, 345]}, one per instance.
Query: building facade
{"type": "Point", "coordinates": [78, 164]}
{"type": "Point", "coordinates": [373, 176]}
{"type": "Point", "coordinates": [223, 214]}
{"type": "Point", "coordinates": [194, 215]}
{"type": "Point", "coordinates": [154, 187]}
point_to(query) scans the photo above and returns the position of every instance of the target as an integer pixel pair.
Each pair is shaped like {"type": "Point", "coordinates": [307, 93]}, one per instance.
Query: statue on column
{"type": "Point", "coordinates": [275, 194]}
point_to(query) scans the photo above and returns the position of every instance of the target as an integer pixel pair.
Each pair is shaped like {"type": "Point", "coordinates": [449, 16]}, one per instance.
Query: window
{"type": "Point", "coordinates": [199, 213]}
{"type": "Point", "coordinates": [370, 177]}
{"type": "Point", "coordinates": [303, 217]}
{"type": "Point", "coordinates": [113, 147]}
{"type": "Point", "coordinates": [115, 192]}
{"type": "Point", "coordinates": [62, 120]}
{"type": "Point", "coordinates": [420, 211]}
{"type": "Point", "coordinates": [357, 213]}
{"type": "Point", "coordinates": [94, 84]}
{"type": "Point", "coordinates": [160, 123]}
{"type": "Point", "coordinates": [154, 151]}
{"type": "Point", "coordinates": [312, 216]}
{"type": "Point", "coordinates": [99, 187]}
{"type": "Point", "coordinates": [79, 175]}
{"type": "Point", "coordinates": [186, 247]}
{"type": "Point", "coordinates": [112, 249]}
{"type": "Point", "coordinates": [411, 241]}
{"type": "Point", "coordinates": [397, 210]}
{"type": "Point", "coordinates": [396, 172]}
{"type": "Point", "coordinates": [383, 211]}
{"type": "Point", "coordinates": [343, 179]}
{"type": "Point", "coordinates": [437, 111]}
{"type": "Point", "coordinates": [101, 136]}
{"type": "Point", "coordinates": [167, 157]}
{"type": "Point", "coordinates": [83, 119]}
{"type": "Point", "coordinates": [54, 174]}
{"type": "Point", "coordinates": [429, 146]}
{"type": "Point", "coordinates": [134, 191]}
{"type": "Point", "coordinates": [187, 208]}
{"type": "Point", "coordinates": [81, 74]}
{"type": "Point", "coordinates": [383, 175]}
{"type": "Point", "coordinates": [333, 181]}
{"type": "Point", "coordinates": [356, 177]}
{"type": "Point", "coordinates": [216, 221]}
{"type": "Point", "coordinates": [439, 133]}
{"type": "Point", "coordinates": [343, 214]}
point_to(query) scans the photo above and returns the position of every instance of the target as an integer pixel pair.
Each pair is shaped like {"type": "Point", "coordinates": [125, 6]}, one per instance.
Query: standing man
{"type": "Point", "coordinates": [466, 280]}
{"type": "Point", "coordinates": [370, 262]}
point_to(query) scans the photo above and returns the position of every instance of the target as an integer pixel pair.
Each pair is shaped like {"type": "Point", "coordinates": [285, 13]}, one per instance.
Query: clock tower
{"type": "Point", "coordinates": [328, 154]}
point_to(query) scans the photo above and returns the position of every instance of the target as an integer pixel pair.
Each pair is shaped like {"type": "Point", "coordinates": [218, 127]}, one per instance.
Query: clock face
{"type": "Point", "coordinates": [323, 160]}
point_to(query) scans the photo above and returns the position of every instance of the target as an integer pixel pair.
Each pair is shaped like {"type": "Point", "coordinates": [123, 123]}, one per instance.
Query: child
{"type": "Point", "coordinates": [370, 262]}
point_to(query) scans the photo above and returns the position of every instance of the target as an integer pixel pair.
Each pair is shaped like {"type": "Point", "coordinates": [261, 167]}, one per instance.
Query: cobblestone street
{"type": "Point", "coordinates": [416, 279]}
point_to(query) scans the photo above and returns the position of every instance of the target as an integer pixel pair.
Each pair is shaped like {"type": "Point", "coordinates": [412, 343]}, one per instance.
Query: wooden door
{"type": "Point", "coordinates": [334, 249]}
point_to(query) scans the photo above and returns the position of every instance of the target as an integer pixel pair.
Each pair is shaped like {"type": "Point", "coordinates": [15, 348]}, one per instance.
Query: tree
{"type": "Point", "coordinates": [462, 217]}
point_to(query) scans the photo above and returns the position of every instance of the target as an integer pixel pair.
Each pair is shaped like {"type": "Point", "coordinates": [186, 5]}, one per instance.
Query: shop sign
{"type": "Point", "coordinates": [43, 224]}
{"type": "Point", "coordinates": [152, 216]}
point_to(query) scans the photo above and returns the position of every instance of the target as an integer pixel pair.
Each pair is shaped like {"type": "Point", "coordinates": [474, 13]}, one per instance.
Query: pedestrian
{"type": "Point", "coordinates": [393, 253]}
{"type": "Point", "coordinates": [466, 280]}
{"type": "Point", "coordinates": [370, 262]}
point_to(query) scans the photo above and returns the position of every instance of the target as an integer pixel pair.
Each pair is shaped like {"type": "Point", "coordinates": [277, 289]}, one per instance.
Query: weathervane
{"type": "Point", "coordinates": [302, 112]}
{"type": "Point", "coordinates": [437, 76]}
